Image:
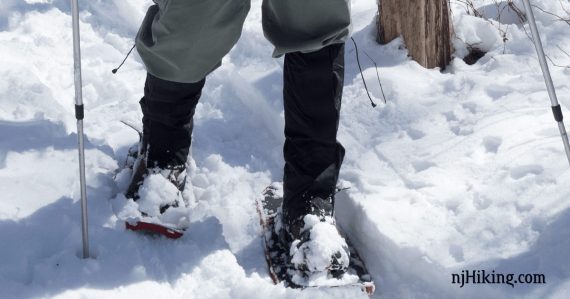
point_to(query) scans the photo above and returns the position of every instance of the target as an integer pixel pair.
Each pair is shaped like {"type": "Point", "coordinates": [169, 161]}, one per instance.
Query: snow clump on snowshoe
{"type": "Point", "coordinates": [158, 193]}
{"type": "Point", "coordinates": [320, 247]}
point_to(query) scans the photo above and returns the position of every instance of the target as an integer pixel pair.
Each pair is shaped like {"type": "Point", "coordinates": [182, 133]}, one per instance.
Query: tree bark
{"type": "Point", "coordinates": [425, 26]}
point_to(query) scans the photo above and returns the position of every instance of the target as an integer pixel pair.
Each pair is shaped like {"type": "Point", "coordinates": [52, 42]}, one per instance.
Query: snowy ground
{"type": "Point", "coordinates": [460, 170]}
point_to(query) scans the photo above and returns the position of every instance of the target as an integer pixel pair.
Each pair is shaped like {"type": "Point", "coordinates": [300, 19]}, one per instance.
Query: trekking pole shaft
{"type": "Point", "coordinates": [540, 52]}
{"type": "Point", "coordinates": [79, 116]}
{"type": "Point", "coordinates": [547, 78]}
{"type": "Point", "coordinates": [76, 53]}
{"type": "Point", "coordinates": [564, 135]}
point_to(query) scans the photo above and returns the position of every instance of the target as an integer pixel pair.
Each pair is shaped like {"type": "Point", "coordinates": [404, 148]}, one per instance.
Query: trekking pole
{"type": "Point", "coordinates": [79, 116]}
{"type": "Point", "coordinates": [556, 110]}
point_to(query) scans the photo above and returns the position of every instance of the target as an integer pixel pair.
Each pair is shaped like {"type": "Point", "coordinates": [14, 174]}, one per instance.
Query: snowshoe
{"type": "Point", "coordinates": [157, 195]}
{"type": "Point", "coordinates": [294, 263]}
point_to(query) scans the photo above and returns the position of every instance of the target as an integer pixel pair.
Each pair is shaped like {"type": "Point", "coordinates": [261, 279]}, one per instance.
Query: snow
{"type": "Point", "coordinates": [153, 193]}
{"type": "Point", "coordinates": [323, 242]}
{"type": "Point", "coordinates": [459, 170]}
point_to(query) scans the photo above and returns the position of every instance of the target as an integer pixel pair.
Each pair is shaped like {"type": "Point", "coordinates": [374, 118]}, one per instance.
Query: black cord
{"type": "Point", "coordinates": [377, 75]}
{"type": "Point", "coordinates": [117, 69]}
{"type": "Point", "coordinates": [362, 75]}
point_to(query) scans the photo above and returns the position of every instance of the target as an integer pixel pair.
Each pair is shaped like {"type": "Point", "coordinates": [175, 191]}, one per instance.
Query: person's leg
{"type": "Point", "coordinates": [168, 110]}
{"type": "Point", "coordinates": [313, 85]}
{"type": "Point", "coordinates": [180, 42]}
{"type": "Point", "coordinates": [311, 34]}
{"type": "Point", "coordinates": [184, 40]}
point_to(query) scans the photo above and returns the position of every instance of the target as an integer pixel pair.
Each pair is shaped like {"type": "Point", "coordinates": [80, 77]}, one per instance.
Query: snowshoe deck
{"type": "Point", "coordinates": [155, 229]}
{"type": "Point", "coordinates": [276, 255]}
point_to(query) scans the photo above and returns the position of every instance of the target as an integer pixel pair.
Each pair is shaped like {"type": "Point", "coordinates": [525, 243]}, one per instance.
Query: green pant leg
{"type": "Point", "coordinates": [184, 40]}
{"type": "Point", "coordinates": [305, 25]}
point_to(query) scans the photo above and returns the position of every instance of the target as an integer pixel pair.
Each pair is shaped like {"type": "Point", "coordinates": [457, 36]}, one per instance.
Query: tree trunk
{"type": "Point", "coordinates": [425, 26]}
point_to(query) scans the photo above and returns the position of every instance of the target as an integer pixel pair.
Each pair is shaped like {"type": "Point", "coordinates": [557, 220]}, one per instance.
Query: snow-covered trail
{"type": "Point", "coordinates": [460, 170]}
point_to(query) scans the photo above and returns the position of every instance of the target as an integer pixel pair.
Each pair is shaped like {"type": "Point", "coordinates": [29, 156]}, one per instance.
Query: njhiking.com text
{"type": "Point", "coordinates": [491, 277]}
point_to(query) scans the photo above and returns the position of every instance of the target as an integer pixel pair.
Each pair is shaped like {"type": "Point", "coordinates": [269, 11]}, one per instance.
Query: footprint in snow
{"type": "Point", "coordinates": [421, 165]}
{"type": "Point", "coordinates": [456, 251]}
{"type": "Point", "coordinates": [415, 134]}
{"type": "Point", "coordinates": [462, 130]}
{"type": "Point", "coordinates": [492, 143]}
{"type": "Point", "coordinates": [481, 202]}
{"type": "Point", "coordinates": [524, 170]}
{"type": "Point", "coordinates": [470, 106]}
{"type": "Point", "coordinates": [450, 116]}
{"type": "Point", "coordinates": [496, 92]}
{"type": "Point", "coordinates": [415, 185]}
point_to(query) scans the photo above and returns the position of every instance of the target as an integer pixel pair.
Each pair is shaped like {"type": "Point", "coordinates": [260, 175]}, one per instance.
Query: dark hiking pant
{"type": "Point", "coordinates": [178, 56]}
{"type": "Point", "coordinates": [168, 111]}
